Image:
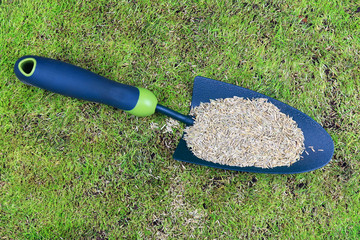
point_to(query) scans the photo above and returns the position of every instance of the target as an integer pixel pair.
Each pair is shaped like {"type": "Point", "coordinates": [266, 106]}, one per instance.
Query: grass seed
{"type": "Point", "coordinates": [244, 132]}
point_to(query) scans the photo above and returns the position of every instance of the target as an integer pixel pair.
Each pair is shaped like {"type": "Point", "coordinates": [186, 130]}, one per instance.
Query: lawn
{"type": "Point", "coordinates": [71, 169]}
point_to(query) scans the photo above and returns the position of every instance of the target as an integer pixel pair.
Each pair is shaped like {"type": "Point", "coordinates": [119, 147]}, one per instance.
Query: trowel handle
{"type": "Point", "coordinates": [73, 81]}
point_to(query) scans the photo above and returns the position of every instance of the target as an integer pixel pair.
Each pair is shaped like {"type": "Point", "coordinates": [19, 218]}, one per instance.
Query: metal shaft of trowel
{"type": "Point", "coordinates": [188, 120]}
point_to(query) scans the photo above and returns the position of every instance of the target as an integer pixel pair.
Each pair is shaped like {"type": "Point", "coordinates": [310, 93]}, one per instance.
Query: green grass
{"type": "Point", "coordinates": [72, 169]}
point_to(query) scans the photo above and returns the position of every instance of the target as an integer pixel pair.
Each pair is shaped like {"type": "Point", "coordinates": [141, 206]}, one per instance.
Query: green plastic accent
{"type": "Point", "coordinates": [146, 104]}
{"type": "Point", "coordinates": [27, 66]}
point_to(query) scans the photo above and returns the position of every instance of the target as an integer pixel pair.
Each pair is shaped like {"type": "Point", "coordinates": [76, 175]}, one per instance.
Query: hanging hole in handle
{"type": "Point", "coordinates": [27, 66]}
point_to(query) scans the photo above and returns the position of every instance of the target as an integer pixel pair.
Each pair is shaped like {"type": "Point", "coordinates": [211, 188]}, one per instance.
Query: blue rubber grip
{"type": "Point", "coordinates": [73, 81]}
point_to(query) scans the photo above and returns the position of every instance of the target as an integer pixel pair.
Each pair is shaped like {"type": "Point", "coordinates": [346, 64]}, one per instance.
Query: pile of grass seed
{"type": "Point", "coordinates": [243, 132]}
